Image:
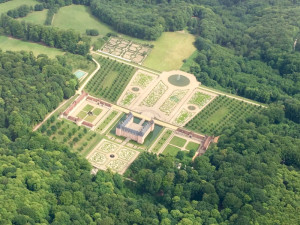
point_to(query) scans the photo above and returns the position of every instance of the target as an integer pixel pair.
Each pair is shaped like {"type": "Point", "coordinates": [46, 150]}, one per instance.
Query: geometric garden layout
{"type": "Point", "coordinates": [172, 99]}
{"type": "Point", "coordinates": [108, 154]}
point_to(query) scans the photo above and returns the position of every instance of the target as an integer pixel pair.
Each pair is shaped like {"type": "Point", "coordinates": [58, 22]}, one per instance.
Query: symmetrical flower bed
{"type": "Point", "coordinates": [111, 155]}
{"type": "Point", "coordinates": [142, 80]}
{"type": "Point", "coordinates": [117, 165]}
{"type": "Point", "coordinates": [126, 153]}
{"type": "Point", "coordinates": [184, 115]}
{"type": "Point", "coordinates": [98, 158]}
{"type": "Point", "coordinates": [169, 105]}
{"type": "Point", "coordinates": [108, 147]}
{"type": "Point", "coordinates": [126, 49]}
{"type": "Point", "coordinates": [155, 94]}
{"type": "Point", "coordinates": [200, 99]}
{"type": "Point", "coordinates": [128, 98]}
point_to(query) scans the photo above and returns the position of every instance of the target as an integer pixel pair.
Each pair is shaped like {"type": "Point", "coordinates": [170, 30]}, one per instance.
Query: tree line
{"type": "Point", "coordinates": [67, 40]}
{"type": "Point", "coordinates": [20, 11]}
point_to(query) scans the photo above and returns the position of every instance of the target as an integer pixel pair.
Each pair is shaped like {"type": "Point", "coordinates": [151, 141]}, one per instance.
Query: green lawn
{"type": "Point", "coordinates": [170, 50]}
{"type": "Point", "coordinates": [189, 62]}
{"type": "Point", "coordinates": [79, 18]}
{"type": "Point", "coordinates": [10, 44]}
{"type": "Point", "coordinates": [218, 115]}
{"type": "Point", "coordinates": [161, 141]}
{"type": "Point", "coordinates": [90, 118]}
{"type": "Point", "coordinates": [104, 123]}
{"type": "Point", "coordinates": [192, 146]}
{"type": "Point", "coordinates": [88, 108]}
{"type": "Point", "coordinates": [81, 114]}
{"type": "Point", "coordinates": [179, 142]}
{"type": "Point", "coordinates": [97, 111]}
{"type": "Point", "coordinates": [171, 150]}
{"type": "Point", "coordinates": [4, 7]}
{"type": "Point", "coordinates": [35, 17]}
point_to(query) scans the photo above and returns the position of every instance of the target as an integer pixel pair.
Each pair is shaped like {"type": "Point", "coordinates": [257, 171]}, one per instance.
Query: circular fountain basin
{"type": "Point", "coordinates": [179, 80]}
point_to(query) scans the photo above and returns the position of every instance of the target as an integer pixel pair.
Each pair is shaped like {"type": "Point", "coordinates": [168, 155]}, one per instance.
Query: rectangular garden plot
{"type": "Point", "coordinates": [110, 155]}
{"type": "Point", "coordinates": [126, 50]}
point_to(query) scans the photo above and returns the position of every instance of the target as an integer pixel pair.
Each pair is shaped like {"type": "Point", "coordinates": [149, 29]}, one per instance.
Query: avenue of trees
{"type": "Point", "coordinates": [67, 40]}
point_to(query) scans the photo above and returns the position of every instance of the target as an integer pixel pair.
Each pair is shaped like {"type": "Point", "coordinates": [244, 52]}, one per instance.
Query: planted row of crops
{"type": "Point", "coordinates": [111, 79]}
{"type": "Point", "coordinates": [220, 113]}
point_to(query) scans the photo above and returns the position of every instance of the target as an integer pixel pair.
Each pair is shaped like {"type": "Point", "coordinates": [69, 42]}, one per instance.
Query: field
{"type": "Point", "coordinates": [111, 79]}
{"type": "Point", "coordinates": [79, 18]}
{"type": "Point", "coordinates": [36, 17]}
{"type": "Point", "coordinates": [189, 62]}
{"type": "Point", "coordinates": [4, 7]}
{"type": "Point", "coordinates": [170, 50]}
{"type": "Point", "coordinates": [221, 112]}
{"type": "Point", "coordinates": [192, 146]}
{"type": "Point", "coordinates": [78, 138]}
{"type": "Point", "coordinates": [179, 142]}
{"type": "Point", "coordinates": [9, 44]}
{"type": "Point", "coordinates": [171, 150]}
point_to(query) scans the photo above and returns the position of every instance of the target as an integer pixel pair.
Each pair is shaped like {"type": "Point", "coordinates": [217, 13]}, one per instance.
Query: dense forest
{"type": "Point", "coordinates": [250, 177]}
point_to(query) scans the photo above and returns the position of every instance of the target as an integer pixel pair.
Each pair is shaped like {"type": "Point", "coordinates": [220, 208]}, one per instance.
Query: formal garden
{"type": "Point", "coordinates": [111, 80]}
{"type": "Point", "coordinates": [142, 80]}
{"type": "Point", "coordinates": [126, 49]}
{"type": "Point", "coordinates": [128, 98]}
{"type": "Point", "coordinates": [155, 94]}
{"type": "Point", "coordinates": [111, 155]}
{"type": "Point", "coordinates": [183, 117]}
{"type": "Point", "coordinates": [180, 148]}
{"type": "Point", "coordinates": [89, 113]}
{"type": "Point", "coordinates": [221, 112]}
{"type": "Point", "coordinates": [103, 125]}
{"type": "Point", "coordinates": [178, 141]}
{"type": "Point", "coordinates": [168, 106]}
{"type": "Point", "coordinates": [200, 99]}
{"type": "Point", "coordinates": [161, 141]}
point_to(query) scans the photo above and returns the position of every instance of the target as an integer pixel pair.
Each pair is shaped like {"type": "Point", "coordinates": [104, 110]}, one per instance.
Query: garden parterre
{"type": "Point", "coordinates": [126, 49]}
{"type": "Point", "coordinates": [108, 154]}
{"type": "Point", "coordinates": [168, 106]}
{"type": "Point", "coordinates": [156, 93]}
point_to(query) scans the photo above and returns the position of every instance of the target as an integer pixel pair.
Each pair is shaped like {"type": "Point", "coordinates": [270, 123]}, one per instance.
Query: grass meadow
{"type": "Point", "coordinates": [35, 17]}
{"type": "Point", "coordinates": [10, 44]}
{"type": "Point", "coordinates": [4, 7]}
{"type": "Point", "coordinates": [170, 50]}
{"type": "Point", "coordinates": [168, 53]}
{"type": "Point", "coordinates": [79, 18]}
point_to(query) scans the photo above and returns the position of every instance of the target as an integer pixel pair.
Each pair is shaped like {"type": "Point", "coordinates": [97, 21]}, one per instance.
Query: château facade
{"type": "Point", "coordinates": [127, 128]}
